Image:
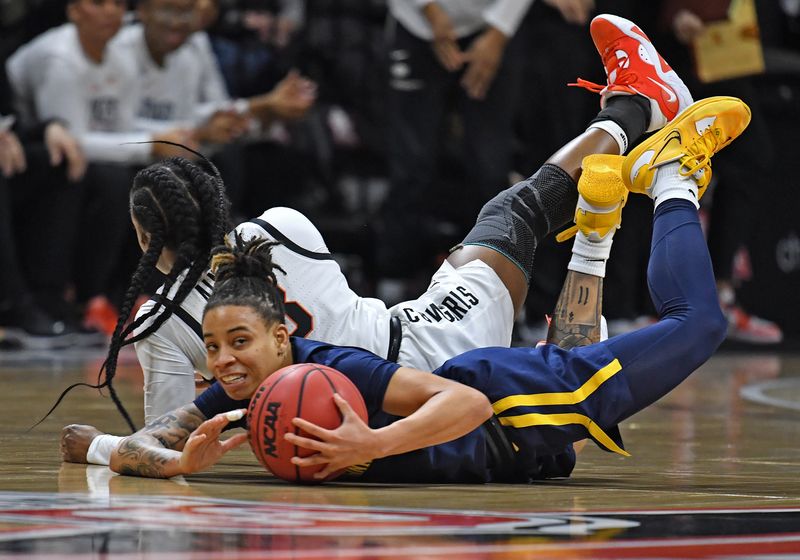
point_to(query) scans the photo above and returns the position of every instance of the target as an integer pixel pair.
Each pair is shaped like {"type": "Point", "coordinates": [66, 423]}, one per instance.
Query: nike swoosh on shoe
{"type": "Point", "coordinates": [672, 97]}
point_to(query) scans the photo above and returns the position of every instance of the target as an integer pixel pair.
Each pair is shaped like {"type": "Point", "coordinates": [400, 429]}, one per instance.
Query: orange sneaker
{"type": "Point", "coordinates": [101, 315]}
{"type": "Point", "coordinates": [634, 67]}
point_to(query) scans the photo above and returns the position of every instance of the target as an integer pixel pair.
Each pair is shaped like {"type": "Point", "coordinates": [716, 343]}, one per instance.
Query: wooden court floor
{"type": "Point", "coordinates": [714, 473]}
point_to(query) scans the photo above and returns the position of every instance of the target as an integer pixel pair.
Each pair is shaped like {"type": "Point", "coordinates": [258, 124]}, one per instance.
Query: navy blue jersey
{"type": "Point", "coordinates": [546, 398]}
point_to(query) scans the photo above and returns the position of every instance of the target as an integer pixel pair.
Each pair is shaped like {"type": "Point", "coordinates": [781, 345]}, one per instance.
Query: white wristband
{"type": "Point", "coordinates": [99, 452]}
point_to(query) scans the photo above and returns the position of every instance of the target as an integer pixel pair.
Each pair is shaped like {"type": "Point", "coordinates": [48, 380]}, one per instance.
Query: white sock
{"type": "Point", "coordinates": [669, 183]}
{"type": "Point", "coordinates": [589, 257]}
{"type": "Point", "coordinates": [99, 452]}
{"type": "Point", "coordinates": [615, 131]}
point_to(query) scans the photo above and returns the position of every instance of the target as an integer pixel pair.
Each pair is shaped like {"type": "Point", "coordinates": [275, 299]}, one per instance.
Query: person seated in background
{"type": "Point", "coordinates": [39, 168]}
{"type": "Point", "coordinates": [181, 83]}
{"type": "Point", "coordinates": [69, 74]}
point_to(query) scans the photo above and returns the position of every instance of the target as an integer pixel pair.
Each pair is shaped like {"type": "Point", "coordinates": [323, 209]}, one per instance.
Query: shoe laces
{"type": "Point", "coordinates": [624, 79]}
{"type": "Point", "coordinates": [698, 155]}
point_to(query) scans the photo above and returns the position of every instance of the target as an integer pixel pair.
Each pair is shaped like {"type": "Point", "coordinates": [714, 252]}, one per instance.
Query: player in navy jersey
{"type": "Point", "coordinates": [492, 414]}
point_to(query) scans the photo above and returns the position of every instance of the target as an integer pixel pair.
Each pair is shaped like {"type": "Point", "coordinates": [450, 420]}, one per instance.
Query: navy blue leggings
{"type": "Point", "coordinates": [691, 325]}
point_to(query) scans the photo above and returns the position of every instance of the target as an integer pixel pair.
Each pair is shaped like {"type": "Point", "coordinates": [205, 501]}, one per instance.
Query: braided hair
{"type": "Point", "coordinates": [245, 276]}
{"type": "Point", "coordinates": [184, 208]}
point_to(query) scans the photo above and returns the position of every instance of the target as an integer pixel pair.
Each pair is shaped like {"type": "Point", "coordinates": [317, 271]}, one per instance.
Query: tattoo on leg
{"type": "Point", "coordinates": [576, 319]}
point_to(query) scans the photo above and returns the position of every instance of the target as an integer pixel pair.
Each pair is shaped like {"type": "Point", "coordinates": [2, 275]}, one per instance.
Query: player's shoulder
{"type": "Point", "coordinates": [289, 227]}
{"type": "Point", "coordinates": [59, 41]}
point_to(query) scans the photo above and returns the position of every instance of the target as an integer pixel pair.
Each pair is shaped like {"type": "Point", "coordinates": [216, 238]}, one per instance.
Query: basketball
{"type": "Point", "coordinates": [304, 391]}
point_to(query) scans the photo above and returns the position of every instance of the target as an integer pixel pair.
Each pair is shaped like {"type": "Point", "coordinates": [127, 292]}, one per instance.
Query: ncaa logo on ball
{"type": "Point", "coordinates": [270, 418]}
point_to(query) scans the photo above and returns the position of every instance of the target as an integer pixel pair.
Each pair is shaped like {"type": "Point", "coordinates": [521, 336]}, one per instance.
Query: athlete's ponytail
{"type": "Point", "coordinates": [245, 275]}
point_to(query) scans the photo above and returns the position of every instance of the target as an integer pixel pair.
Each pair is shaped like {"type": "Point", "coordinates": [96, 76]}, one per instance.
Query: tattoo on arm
{"type": "Point", "coordinates": [173, 428]}
{"type": "Point", "coordinates": [576, 319]}
{"type": "Point", "coordinates": [150, 451]}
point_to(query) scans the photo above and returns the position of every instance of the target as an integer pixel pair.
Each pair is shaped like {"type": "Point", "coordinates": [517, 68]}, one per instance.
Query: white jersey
{"type": "Point", "coordinates": [186, 90]}
{"type": "Point", "coordinates": [52, 78]}
{"type": "Point", "coordinates": [467, 16]}
{"type": "Point", "coordinates": [462, 309]}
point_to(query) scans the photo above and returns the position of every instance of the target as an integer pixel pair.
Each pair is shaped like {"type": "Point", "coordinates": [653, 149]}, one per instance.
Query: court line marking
{"type": "Point", "coordinates": [757, 393]}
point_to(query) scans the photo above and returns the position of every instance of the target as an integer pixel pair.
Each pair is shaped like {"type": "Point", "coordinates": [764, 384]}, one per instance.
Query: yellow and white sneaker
{"type": "Point", "coordinates": [601, 196]}
{"type": "Point", "coordinates": [696, 134]}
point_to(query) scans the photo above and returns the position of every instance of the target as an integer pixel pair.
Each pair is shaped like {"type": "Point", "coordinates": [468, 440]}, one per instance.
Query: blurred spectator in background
{"type": "Point", "coordinates": [68, 74]}
{"type": "Point", "coordinates": [732, 208]}
{"type": "Point", "coordinates": [181, 84]}
{"type": "Point", "coordinates": [39, 167]}
{"type": "Point", "coordinates": [38, 212]}
{"type": "Point", "coordinates": [441, 55]}
{"type": "Point", "coordinates": [250, 39]}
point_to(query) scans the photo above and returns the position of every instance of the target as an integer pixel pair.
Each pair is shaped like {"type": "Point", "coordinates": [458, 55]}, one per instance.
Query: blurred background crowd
{"type": "Point", "coordinates": [388, 122]}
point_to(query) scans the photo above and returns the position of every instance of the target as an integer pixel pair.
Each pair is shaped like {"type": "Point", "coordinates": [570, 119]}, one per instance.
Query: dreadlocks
{"type": "Point", "coordinates": [245, 276]}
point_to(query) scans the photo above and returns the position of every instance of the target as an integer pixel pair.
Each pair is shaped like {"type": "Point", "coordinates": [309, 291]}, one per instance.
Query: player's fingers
{"type": "Point", "coordinates": [311, 429]}
{"type": "Point", "coordinates": [304, 442]}
{"type": "Point", "coordinates": [214, 426]}
{"type": "Point", "coordinates": [344, 406]}
{"type": "Point", "coordinates": [326, 472]}
{"type": "Point", "coordinates": [310, 461]}
{"type": "Point", "coordinates": [233, 442]}
{"type": "Point", "coordinates": [195, 440]}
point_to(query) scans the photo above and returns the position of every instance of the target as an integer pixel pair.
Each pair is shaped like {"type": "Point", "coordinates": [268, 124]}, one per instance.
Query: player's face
{"type": "Point", "coordinates": [98, 19]}
{"type": "Point", "coordinates": [168, 23]}
{"type": "Point", "coordinates": [241, 350]}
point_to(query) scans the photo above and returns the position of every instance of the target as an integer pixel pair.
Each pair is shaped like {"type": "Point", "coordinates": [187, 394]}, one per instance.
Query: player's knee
{"type": "Point", "coordinates": [709, 328]}
{"type": "Point", "coordinates": [718, 325]}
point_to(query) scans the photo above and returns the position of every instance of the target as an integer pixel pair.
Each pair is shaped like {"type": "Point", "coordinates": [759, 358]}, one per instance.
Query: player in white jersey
{"type": "Point", "coordinates": [67, 73]}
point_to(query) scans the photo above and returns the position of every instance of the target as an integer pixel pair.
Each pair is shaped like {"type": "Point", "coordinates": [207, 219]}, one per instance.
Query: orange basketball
{"type": "Point", "coordinates": [304, 391]}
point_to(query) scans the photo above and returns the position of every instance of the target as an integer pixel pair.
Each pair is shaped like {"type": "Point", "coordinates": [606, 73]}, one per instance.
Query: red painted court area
{"type": "Point", "coordinates": [78, 526]}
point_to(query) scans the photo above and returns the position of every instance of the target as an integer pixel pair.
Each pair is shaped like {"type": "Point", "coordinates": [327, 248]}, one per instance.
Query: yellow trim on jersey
{"type": "Point", "coordinates": [534, 419]}
{"type": "Point", "coordinates": [543, 399]}
{"type": "Point", "coordinates": [357, 470]}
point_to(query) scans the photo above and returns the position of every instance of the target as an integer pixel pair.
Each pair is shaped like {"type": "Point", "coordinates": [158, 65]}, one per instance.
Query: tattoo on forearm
{"type": "Point", "coordinates": [576, 319]}
{"type": "Point", "coordinates": [143, 454]}
{"type": "Point", "coordinates": [139, 459]}
{"type": "Point", "coordinates": [173, 428]}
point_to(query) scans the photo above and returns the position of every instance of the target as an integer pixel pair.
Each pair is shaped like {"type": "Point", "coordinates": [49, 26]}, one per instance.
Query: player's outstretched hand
{"type": "Point", "coordinates": [352, 443]}
{"type": "Point", "coordinates": [204, 448]}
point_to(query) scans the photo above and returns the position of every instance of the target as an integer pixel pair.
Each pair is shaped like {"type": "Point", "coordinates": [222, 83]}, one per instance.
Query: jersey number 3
{"type": "Point", "coordinates": [298, 316]}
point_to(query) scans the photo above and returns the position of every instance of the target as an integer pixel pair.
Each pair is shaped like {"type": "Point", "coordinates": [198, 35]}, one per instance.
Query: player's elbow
{"type": "Point", "coordinates": [480, 407]}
